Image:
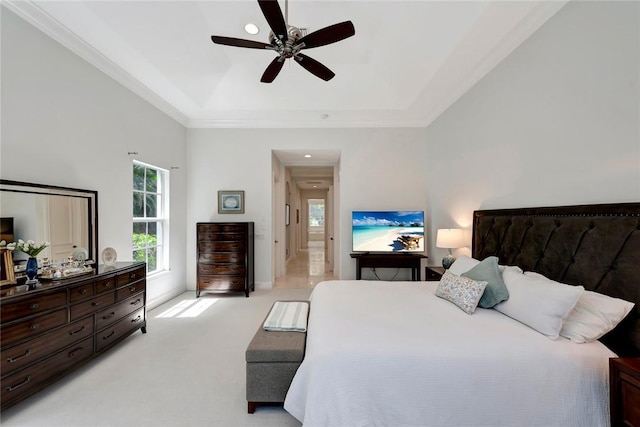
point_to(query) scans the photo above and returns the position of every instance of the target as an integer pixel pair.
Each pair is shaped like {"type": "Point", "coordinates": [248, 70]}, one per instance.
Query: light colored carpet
{"type": "Point", "coordinates": [186, 371]}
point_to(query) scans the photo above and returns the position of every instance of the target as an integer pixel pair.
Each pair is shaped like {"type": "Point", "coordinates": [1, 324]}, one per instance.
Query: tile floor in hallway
{"type": "Point", "coordinates": [307, 269]}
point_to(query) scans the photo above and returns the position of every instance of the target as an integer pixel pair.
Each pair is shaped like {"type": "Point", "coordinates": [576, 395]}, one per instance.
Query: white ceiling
{"type": "Point", "coordinates": [407, 63]}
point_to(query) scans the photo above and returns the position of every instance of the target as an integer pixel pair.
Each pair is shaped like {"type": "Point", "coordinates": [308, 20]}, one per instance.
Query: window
{"type": "Point", "coordinates": [316, 215]}
{"type": "Point", "coordinates": [150, 219]}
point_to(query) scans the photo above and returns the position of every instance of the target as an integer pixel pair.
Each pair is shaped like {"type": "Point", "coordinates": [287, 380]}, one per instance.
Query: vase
{"type": "Point", "coordinates": [32, 268]}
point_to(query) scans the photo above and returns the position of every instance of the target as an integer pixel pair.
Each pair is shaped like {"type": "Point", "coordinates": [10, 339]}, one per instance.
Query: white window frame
{"type": "Point", "coordinates": [161, 219]}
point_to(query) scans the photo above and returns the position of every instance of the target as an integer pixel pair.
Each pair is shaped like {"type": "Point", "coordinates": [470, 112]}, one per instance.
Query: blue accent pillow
{"type": "Point", "coordinates": [496, 291]}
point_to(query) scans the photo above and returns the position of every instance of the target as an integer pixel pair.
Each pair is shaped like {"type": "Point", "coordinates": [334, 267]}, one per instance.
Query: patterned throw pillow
{"type": "Point", "coordinates": [462, 291]}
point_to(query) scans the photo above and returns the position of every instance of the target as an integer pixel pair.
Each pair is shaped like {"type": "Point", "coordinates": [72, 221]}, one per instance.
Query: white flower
{"type": "Point", "coordinates": [30, 248]}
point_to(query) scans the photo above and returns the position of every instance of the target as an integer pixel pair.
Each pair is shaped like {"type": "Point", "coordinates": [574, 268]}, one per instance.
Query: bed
{"type": "Point", "coordinates": [395, 354]}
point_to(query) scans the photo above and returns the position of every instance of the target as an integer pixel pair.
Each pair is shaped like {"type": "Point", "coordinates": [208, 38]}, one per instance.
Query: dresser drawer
{"type": "Point", "coordinates": [218, 228]}
{"type": "Point", "coordinates": [221, 257]}
{"type": "Point", "coordinates": [32, 327]}
{"type": "Point", "coordinates": [237, 247]}
{"type": "Point", "coordinates": [130, 277]}
{"type": "Point", "coordinates": [91, 306]}
{"type": "Point", "coordinates": [78, 293]}
{"type": "Point", "coordinates": [106, 285]}
{"type": "Point", "coordinates": [630, 396]}
{"type": "Point", "coordinates": [109, 335]}
{"type": "Point", "coordinates": [24, 381]}
{"type": "Point", "coordinates": [222, 237]}
{"type": "Point", "coordinates": [221, 283]}
{"type": "Point", "coordinates": [233, 269]}
{"type": "Point", "coordinates": [119, 310]}
{"type": "Point", "coordinates": [34, 305]}
{"type": "Point", "coordinates": [433, 274]}
{"type": "Point", "coordinates": [129, 290]}
{"type": "Point", "coordinates": [30, 351]}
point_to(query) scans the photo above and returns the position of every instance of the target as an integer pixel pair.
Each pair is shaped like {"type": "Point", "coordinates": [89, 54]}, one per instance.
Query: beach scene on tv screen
{"type": "Point", "coordinates": [387, 231]}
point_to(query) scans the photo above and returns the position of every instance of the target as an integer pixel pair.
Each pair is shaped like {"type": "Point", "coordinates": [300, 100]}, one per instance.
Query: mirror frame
{"type": "Point", "coordinates": [91, 197]}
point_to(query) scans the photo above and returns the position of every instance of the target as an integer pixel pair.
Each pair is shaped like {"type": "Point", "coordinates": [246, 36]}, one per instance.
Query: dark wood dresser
{"type": "Point", "coordinates": [624, 382]}
{"type": "Point", "coordinates": [60, 325]}
{"type": "Point", "coordinates": [225, 257]}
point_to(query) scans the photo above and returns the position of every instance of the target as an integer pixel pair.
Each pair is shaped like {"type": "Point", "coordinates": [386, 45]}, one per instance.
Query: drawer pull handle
{"type": "Point", "coordinates": [137, 319]}
{"type": "Point", "coordinates": [106, 316]}
{"type": "Point", "coordinates": [95, 304]}
{"type": "Point", "coordinates": [33, 306]}
{"type": "Point", "coordinates": [83, 291]}
{"type": "Point", "coordinates": [132, 275]}
{"type": "Point", "coordinates": [13, 387]}
{"type": "Point", "coordinates": [73, 352]}
{"type": "Point", "coordinates": [77, 332]}
{"type": "Point", "coordinates": [34, 326]}
{"type": "Point", "coordinates": [15, 359]}
{"type": "Point", "coordinates": [136, 302]}
{"type": "Point", "coordinates": [106, 337]}
{"type": "Point", "coordinates": [107, 284]}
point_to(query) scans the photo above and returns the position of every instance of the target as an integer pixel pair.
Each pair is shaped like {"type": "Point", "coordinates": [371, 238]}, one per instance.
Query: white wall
{"type": "Point", "coordinates": [66, 123]}
{"type": "Point", "coordinates": [557, 123]}
{"type": "Point", "coordinates": [379, 169]}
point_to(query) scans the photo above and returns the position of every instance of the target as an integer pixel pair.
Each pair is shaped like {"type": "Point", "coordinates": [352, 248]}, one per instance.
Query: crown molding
{"type": "Point", "coordinates": [308, 124]}
{"type": "Point", "coordinates": [58, 32]}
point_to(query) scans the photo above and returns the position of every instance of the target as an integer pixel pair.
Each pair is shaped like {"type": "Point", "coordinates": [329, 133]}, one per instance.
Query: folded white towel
{"type": "Point", "coordinates": [287, 316]}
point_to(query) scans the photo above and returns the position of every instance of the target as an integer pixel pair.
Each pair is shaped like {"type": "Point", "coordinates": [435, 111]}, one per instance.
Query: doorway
{"type": "Point", "coordinates": [304, 241]}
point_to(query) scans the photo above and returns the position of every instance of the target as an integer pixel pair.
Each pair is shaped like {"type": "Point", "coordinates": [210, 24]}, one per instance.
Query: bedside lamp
{"type": "Point", "coordinates": [449, 238]}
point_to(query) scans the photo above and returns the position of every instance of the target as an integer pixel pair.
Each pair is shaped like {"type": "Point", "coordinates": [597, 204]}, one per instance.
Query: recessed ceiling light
{"type": "Point", "coordinates": [324, 116]}
{"type": "Point", "coordinates": [251, 28]}
{"type": "Point", "coordinates": [307, 155]}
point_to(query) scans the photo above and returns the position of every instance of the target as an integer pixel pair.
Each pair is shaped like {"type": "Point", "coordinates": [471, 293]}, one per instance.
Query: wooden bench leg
{"type": "Point", "coordinates": [251, 407]}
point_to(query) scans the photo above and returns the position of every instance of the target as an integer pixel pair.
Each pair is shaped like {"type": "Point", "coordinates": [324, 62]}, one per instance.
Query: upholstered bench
{"type": "Point", "coordinates": [272, 357]}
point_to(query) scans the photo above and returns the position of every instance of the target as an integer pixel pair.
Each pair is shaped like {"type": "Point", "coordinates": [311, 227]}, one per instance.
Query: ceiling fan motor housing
{"type": "Point", "coordinates": [287, 49]}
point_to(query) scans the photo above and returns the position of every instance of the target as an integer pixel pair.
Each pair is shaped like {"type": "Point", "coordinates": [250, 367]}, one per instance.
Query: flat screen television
{"type": "Point", "coordinates": [387, 231]}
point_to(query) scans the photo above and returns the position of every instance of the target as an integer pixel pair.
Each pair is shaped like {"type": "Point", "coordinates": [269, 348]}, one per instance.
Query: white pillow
{"type": "Point", "coordinates": [593, 316]}
{"type": "Point", "coordinates": [538, 302]}
{"type": "Point", "coordinates": [463, 264]}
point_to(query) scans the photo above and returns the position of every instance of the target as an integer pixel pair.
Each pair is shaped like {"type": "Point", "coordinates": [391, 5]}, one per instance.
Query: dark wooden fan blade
{"type": "Point", "coordinates": [273, 14]}
{"type": "Point", "coordinates": [272, 70]}
{"type": "Point", "coordinates": [314, 67]}
{"type": "Point", "coordinates": [231, 41]}
{"type": "Point", "coordinates": [327, 35]}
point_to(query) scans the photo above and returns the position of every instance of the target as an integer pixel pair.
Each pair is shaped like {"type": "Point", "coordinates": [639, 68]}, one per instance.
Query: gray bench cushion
{"type": "Point", "coordinates": [276, 346]}
{"type": "Point", "coordinates": [270, 346]}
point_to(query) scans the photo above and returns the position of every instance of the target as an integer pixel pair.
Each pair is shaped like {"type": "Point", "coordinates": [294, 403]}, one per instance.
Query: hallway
{"type": "Point", "coordinates": [306, 270]}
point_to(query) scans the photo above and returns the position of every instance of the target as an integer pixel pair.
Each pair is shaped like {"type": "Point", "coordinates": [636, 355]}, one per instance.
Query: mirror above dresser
{"type": "Point", "coordinates": [65, 217]}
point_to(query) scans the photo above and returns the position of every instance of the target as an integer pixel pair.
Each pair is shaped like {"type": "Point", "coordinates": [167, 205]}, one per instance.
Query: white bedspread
{"type": "Point", "coordinates": [393, 354]}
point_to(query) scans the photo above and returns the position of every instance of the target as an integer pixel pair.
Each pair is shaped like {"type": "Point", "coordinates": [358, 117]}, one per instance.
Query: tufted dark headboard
{"type": "Point", "coordinates": [596, 246]}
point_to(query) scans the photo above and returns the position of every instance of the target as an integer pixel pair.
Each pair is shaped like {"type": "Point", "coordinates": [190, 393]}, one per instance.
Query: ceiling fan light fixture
{"type": "Point", "coordinates": [251, 28]}
{"type": "Point", "coordinates": [287, 41]}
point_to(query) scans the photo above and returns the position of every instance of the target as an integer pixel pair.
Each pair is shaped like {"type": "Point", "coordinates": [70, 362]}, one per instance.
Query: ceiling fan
{"type": "Point", "coordinates": [287, 41]}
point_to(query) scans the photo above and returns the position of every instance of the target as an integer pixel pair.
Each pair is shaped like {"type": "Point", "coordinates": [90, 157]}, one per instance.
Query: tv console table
{"type": "Point", "coordinates": [391, 260]}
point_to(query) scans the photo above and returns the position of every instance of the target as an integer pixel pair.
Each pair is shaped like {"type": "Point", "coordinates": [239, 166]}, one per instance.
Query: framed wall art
{"type": "Point", "coordinates": [230, 202]}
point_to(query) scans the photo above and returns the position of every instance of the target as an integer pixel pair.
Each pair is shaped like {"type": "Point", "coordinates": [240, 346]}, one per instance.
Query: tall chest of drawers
{"type": "Point", "coordinates": [225, 257]}
{"type": "Point", "coordinates": [51, 330]}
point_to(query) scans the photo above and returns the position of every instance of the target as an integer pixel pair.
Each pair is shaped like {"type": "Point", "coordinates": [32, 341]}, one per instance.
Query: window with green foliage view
{"type": "Point", "coordinates": [149, 221]}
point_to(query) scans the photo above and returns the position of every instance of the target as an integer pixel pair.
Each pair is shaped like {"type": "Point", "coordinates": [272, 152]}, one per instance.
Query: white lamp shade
{"type": "Point", "coordinates": [449, 238]}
